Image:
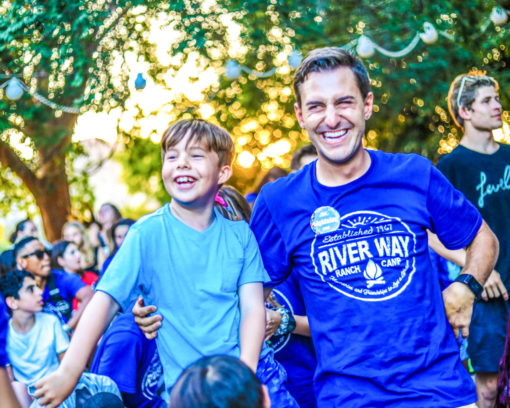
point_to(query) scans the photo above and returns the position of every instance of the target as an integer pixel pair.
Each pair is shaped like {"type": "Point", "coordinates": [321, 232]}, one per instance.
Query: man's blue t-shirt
{"type": "Point", "coordinates": [4, 327]}
{"type": "Point", "coordinates": [131, 360]}
{"type": "Point", "coordinates": [192, 277]}
{"type": "Point", "coordinates": [295, 352]}
{"type": "Point", "coordinates": [68, 284]}
{"type": "Point", "coordinates": [359, 252]}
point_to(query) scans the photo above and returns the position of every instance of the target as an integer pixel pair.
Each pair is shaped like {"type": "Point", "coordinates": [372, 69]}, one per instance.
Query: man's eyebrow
{"type": "Point", "coordinates": [341, 99]}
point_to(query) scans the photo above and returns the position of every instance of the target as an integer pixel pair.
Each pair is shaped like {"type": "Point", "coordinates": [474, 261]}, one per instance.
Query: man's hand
{"type": "Point", "coordinates": [494, 287]}
{"type": "Point", "coordinates": [149, 325]}
{"type": "Point", "coordinates": [458, 303]}
{"type": "Point", "coordinates": [273, 321]}
{"type": "Point", "coordinates": [53, 389]}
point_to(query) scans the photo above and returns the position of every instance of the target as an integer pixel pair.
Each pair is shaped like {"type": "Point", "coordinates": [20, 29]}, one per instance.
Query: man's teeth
{"type": "Point", "coordinates": [334, 135]}
{"type": "Point", "coordinates": [184, 179]}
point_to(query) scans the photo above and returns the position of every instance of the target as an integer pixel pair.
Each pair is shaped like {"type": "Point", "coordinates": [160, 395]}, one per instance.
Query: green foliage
{"type": "Point", "coordinates": [410, 93]}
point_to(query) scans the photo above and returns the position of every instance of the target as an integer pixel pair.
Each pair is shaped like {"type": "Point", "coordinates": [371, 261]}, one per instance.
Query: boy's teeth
{"type": "Point", "coordinates": [334, 135]}
{"type": "Point", "coordinates": [184, 179]}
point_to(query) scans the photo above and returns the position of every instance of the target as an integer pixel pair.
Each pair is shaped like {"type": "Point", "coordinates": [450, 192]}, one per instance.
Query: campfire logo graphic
{"type": "Point", "coordinates": [373, 274]}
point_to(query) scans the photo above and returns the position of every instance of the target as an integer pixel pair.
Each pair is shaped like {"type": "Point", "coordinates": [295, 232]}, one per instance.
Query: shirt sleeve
{"type": "Point", "coordinates": [271, 243]}
{"type": "Point", "coordinates": [61, 338]}
{"type": "Point", "coordinates": [4, 327]}
{"type": "Point", "coordinates": [69, 284]}
{"type": "Point", "coordinates": [123, 278]}
{"type": "Point", "coordinates": [253, 267]}
{"type": "Point", "coordinates": [454, 218]}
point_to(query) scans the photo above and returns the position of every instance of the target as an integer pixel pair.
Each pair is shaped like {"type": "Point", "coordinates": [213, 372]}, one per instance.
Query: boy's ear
{"type": "Point", "coordinates": [12, 302]}
{"type": "Point", "coordinates": [464, 112]}
{"type": "Point", "coordinates": [224, 174]}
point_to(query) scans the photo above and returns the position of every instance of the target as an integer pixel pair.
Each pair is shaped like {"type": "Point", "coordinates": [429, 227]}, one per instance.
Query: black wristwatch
{"type": "Point", "coordinates": [472, 283]}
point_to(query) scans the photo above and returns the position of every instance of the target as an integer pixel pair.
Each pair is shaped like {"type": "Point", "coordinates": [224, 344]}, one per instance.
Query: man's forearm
{"type": "Point", "coordinates": [482, 254]}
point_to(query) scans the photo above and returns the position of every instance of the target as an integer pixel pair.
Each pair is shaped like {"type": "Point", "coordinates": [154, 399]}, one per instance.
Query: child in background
{"type": "Point", "coordinates": [203, 271]}
{"type": "Point", "coordinates": [58, 287]}
{"type": "Point", "coordinates": [75, 232]}
{"type": "Point", "coordinates": [117, 234]}
{"type": "Point", "coordinates": [36, 341]}
{"type": "Point", "coordinates": [66, 256]}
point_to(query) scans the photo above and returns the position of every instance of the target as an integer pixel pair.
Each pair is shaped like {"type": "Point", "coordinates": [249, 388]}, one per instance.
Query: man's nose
{"type": "Point", "coordinates": [332, 117]}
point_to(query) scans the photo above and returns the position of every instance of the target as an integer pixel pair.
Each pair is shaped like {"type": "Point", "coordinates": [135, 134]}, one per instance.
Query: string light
{"type": "Point", "coordinates": [366, 47]}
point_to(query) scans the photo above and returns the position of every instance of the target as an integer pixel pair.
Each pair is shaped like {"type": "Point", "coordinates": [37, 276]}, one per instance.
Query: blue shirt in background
{"type": "Point", "coordinates": [68, 284]}
{"type": "Point", "coordinates": [193, 277]}
{"type": "Point", "coordinates": [359, 252]}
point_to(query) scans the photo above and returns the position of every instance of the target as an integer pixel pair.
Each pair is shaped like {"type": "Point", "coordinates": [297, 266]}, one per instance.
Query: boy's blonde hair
{"type": "Point", "coordinates": [215, 138]}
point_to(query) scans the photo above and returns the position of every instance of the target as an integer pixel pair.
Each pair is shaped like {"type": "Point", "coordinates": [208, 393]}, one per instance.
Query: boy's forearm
{"type": "Point", "coordinates": [97, 316]}
{"type": "Point", "coordinates": [302, 326]}
{"type": "Point", "coordinates": [9, 399]}
{"type": "Point", "coordinates": [251, 336]}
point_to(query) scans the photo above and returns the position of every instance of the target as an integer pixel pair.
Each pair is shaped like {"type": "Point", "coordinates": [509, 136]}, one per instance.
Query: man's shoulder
{"type": "Point", "coordinates": [388, 164]}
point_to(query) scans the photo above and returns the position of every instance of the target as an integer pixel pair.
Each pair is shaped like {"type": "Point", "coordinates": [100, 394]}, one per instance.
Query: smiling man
{"type": "Point", "coordinates": [480, 168]}
{"type": "Point", "coordinates": [352, 228]}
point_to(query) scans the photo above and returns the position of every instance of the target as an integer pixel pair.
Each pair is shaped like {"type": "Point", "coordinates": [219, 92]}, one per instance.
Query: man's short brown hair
{"type": "Point", "coordinates": [215, 138]}
{"type": "Point", "coordinates": [329, 58]}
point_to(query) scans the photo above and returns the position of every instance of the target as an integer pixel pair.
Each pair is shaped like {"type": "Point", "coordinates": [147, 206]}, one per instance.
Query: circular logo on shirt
{"type": "Point", "coordinates": [324, 220]}
{"type": "Point", "coordinates": [370, 256]}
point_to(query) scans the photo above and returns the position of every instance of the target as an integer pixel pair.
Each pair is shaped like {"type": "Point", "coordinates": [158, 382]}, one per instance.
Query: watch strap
{"type": "Point", "coordinates": [472, 283]}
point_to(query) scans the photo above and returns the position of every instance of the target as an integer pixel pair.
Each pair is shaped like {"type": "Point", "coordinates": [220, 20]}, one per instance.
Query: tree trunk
{"type": "Point", "coordinates": [54, 202]}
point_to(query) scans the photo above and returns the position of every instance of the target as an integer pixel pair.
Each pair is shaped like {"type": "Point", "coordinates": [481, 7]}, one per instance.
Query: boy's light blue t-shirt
{"type": "Point", "coordinates": [192, 277]}
{"type": "Point", "coordinates": [34, 354]}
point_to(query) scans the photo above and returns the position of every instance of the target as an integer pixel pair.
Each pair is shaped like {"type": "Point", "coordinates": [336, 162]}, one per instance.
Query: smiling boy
{"type": "Point", "coordinates": [203, 271]}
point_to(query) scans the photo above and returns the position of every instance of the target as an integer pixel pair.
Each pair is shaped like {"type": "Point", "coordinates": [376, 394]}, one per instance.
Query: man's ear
{"type": "Point", "coordinates": [299, 115]}
{"type": "Point", "coordinates": [225, 174]}
{"type": "Point", "coordinates": [11, 302]}
{"type": "Point", "coordinates": [368, 105]}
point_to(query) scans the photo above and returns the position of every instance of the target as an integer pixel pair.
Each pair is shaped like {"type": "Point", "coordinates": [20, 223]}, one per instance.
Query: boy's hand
{"type": "Point", "coordinates": [53, 389]}
{"type": "Point", "coordinates": [273, 321]}
{"type": "Point", "coordinates": [149, 325]}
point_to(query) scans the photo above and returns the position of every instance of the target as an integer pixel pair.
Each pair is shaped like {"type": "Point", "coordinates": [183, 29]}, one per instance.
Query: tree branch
{"type": "Point", "coordinates": [9, 158]}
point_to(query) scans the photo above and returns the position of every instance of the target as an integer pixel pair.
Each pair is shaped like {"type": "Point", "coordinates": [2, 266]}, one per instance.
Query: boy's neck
{"type": "Point", "coordinates": [479, 141]}
{"type": "Point", "coordinates": [22, 321]}
{"type": "Point", "coordinates": [198, 218]}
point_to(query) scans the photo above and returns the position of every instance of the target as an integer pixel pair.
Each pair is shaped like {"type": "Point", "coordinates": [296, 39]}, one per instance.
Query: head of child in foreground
{"type": "Point", "coordinates": [21, 292]}
{"type": "Point", "coordinates": [196, 161]}
{"type": "Point", "coordinates": [218, 382]}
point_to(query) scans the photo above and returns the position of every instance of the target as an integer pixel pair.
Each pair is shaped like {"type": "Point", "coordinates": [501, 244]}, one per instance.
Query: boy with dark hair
{"type": "Point", "coordinates": [36, 341]}
{"type": "Point", "coordinates": [59, 288]}
{"type": "Point", "coordinates": [203, 271]}
{"type": "Point", "coordinates": [480, 168]}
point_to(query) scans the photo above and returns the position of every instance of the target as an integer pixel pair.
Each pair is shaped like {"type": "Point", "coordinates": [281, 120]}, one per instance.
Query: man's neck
{"type": "Point", "coordinates": [479, 141]}
{"type": "Point", "coordinates": [22, 321]}
{"type": "Point", "coordinates": [339, 174]}
{"type": "Point", "coordinates": [198, 218]}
